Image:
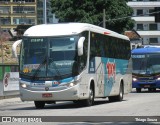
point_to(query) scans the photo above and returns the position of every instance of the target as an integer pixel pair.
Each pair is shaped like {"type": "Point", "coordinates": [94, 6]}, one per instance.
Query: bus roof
{"type": "Point", "coordinates": [146, 50]}
{"type": "Point", "coordinates": [68, 29]}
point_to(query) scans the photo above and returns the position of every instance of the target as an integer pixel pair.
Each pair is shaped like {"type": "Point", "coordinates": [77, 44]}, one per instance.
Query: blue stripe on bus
{"type": "Point", "coordinates": [67, 79]}
{"type": "Point", "coordinates": [28, 80]}
{"type": "Point", "coordinates": [61, 81]}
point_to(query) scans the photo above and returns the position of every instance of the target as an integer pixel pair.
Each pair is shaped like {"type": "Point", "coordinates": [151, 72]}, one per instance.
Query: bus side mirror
{"type": "Point", "coordinates": [80, 46]}
{"type": "Point", "coordinates": [14, 48]}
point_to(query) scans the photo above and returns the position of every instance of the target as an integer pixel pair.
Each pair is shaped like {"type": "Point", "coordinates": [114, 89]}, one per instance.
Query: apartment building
{"type": "Point", "coordinates": [145, 25]}
{"type": "Point", "coordinates": [15, 12]}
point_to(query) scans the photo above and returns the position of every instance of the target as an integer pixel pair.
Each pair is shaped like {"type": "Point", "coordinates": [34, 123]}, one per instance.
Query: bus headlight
{"type": "Point", "coordinates": [134, 79]}
{"type": "Point", "coordinates": [158, 78]}
{"type": "Point", "coordinates": [71, 84]}
{"type": "Point", "coordinates": [23, 85]}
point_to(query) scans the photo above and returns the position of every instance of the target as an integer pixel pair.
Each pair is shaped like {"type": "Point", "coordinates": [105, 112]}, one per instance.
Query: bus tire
{"type": "Point", "coordinates": [154, 89]}
{"type": "Point", "coordinates": [138, 90]}
{"type": "Point", "coordinates": [118, 97]}
{"type": "Point", "coordinates": [151, 89]}
{"type": "Point", "coordinates": [90, 100]}
{"type": "Point", "coordinates": [77, 102]}
{"type": "Point", "coordinates": [39, 104]}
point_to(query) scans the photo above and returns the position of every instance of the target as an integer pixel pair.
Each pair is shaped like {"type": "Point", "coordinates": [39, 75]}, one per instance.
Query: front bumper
{"type": "Point", "coordinates": [71, 93]}
{"type": "Point", "coordinates": [138, 84]}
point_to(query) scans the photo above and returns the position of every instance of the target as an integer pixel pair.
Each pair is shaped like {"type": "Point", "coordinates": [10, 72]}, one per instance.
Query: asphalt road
{"type": "Point", "coordinates": [141, 107]}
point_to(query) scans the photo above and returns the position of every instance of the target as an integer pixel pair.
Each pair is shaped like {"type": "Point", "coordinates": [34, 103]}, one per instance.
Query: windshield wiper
{"type": "Point", "coordinates": [42, 64]}
{"type": "Point", "coordinates": [58, 76]}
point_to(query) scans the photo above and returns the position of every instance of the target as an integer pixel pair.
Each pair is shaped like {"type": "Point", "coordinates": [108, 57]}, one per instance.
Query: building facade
{"type": "Point", "coordinates": [145, 24]}
{"type": "Point", "coordinates": [16, 12]}
{"type": "Point", "coordinates": [50, 17]}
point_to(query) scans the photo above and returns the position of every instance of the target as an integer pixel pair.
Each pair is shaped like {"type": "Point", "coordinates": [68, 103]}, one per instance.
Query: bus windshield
{"type": "Point", "coordinates": [146, 64]}
{"type": "Point", "coordinates": [48, 57]}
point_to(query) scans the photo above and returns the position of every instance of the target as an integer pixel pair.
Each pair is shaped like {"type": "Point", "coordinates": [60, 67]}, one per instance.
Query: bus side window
{"type": "Point", "coordinates": [92, 50]}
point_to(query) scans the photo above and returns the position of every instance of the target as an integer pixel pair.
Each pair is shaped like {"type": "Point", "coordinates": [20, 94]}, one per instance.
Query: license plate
{"type": "Point", "coordinates": [46, 95]}
{"type": "Point", "coordinates": [146, 86]}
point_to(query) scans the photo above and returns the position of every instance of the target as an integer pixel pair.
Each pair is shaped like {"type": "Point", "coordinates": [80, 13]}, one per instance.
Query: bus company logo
{"type": "Point", "coordinates": [55, 82]}
{"type": "Point", "coordinates": [111, 70]}
{"type": "Point", "coordinates": [46, 88]}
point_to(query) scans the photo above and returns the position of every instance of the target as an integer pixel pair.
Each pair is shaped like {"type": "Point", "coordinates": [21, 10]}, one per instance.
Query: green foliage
{"type": "Point", "coordinates": [91, 11]}
{"type": "Point", "coordinates": [8, 51]}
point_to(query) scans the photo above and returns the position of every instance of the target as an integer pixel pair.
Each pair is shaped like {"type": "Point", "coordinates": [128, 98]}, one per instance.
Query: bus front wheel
{"type": "Point", "coordinates": [151, 89]}
{"type": "Point", "coordinates": [90, 100]}
{"type": "Point", "coordinates": [39, 104]}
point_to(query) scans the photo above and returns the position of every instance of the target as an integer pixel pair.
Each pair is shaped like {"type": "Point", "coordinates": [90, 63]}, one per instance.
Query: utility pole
{"type": "Point", "coordinates": [44, 12]}
{"type": "Point", "coordinates": [104, 18]}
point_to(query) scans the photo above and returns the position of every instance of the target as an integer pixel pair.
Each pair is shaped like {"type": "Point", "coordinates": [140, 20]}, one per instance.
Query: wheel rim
{"type": "Point", "coordinates": [91, 97]}
{"type": "Point", "coordinates": [121, 93]}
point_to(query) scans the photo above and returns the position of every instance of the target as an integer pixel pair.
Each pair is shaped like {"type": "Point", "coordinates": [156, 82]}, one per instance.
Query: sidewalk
{"type": "Point", "coordinates": [8, 97]}
{"type": "Point", "coordinates": [7, 100]}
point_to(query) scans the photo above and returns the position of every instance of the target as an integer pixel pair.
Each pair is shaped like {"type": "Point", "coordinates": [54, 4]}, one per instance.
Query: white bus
{"type": "Point", "coordinates": [73, 62]}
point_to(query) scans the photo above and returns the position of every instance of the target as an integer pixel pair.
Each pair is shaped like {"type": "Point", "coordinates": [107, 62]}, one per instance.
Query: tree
{"type": "Point", "coordinates": [2, 40]}
{"type": "Point", "coordinates": [91, 11]}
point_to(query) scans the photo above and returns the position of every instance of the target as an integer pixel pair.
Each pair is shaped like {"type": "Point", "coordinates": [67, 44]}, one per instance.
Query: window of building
{"type": "Point", "coordinates": [153, 40]}
{"type": "Point", "coordinates": [40, 4]}
{"type": "Point", "coordinates": [5, 20]}
{"type": "Point", "coordinates": [24, 20]}
{"type": "Point", "coordinates": [24, 0]}
{"type": "Point", "coordinates": [153, 27]}
{"type": "Point", "coordinates": [4, 9]}
{"type": "Point", "coordinates": [139, 26]}
{"type": "Point", "coordinates": [151, 11]}
{"type": "Point", "coordinates": [23, 9]}
{"type": "Point", "coordinates": [4, 0]}
{"type": "Point", "coordinates": [18, 9]}
{"type": "Point", "coordinates": [139, 12]}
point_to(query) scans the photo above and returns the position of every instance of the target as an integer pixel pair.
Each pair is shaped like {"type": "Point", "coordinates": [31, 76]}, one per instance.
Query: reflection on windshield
{"type": "Point", "coordinates": [60, 54]}
{"type": "Point", "coordinates": [147, 64]}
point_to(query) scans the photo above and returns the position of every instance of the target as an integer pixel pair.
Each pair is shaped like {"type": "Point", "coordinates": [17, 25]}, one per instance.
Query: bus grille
{"type": "Point", "coordinates": [147, 81]}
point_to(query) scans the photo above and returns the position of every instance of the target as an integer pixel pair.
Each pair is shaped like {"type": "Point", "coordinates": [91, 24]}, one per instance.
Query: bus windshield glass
{"type": "Point", "coordinates": [48, 57]}
{"type": "Point", "coordinates": [146, 64]}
